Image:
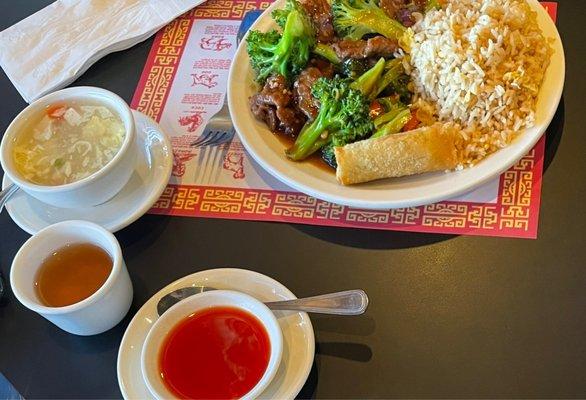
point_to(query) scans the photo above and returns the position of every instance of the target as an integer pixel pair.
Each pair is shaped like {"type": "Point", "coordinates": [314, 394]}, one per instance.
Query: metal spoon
{"type": "Point", "coordinates": [6, 194]}
{"type": "Point", "coordinates": [349, 302]}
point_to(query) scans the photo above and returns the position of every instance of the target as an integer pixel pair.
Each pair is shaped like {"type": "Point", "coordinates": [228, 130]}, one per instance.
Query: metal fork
{"type": "Point", "coordinates": [219, 129]}
{"type": "Point", "coordinates": [213, 143]}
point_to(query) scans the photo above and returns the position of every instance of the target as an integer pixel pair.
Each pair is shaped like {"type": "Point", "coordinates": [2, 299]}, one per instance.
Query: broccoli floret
{"type": "Point", "coordinates": [280, 14]}
{"type": "Point", "coordinates": [355, 18]}
{"type": "Point", "coordinates": [287, 53]}
{"type": "Point", "coordinates": [367, 82]}
{"type": "Point", "coordinates": [342, 118]}
{"type": "Point", "coordinates": [400, 88]}
{"type": "Point", "coordinates": [353, 68]}
{"type": "Point", "coordinates": [389, 114]}
{"type": "Point", "coordinates": [392, 76]}
{"type": "Point", "coordinates": [388, 75]}
{"type": "Point", "coordinates": [392, 121]}
{"type": "Point", "coordinates": [394, 118]}
{"type": "Point", "coordinates": [393, 81]}
{"type": "Point", "coordinates": [389, 103]}
{"type": "Point", "coordinates": [326, 51]}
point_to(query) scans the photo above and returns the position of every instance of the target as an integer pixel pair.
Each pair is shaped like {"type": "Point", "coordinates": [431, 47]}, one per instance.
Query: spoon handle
{"type": "Point", "coordinates": [349, 302]}
{"type": "Point", "coordinates": [6, 193]}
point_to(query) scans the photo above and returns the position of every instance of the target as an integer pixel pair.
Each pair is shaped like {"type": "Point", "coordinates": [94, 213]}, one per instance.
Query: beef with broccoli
{"type": "Point", "coordinates": [328, 66]}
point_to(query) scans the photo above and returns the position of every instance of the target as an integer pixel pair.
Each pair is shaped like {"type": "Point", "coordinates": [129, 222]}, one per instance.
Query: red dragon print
{"type": "Point", "coordinates": [192, 121]}
{"type": "Point", "coordinates": [234, 162]}
{"type": "Point", "coordinates": [204, 79]}
{"type": "Point", "coordinates": [180, 157]}
{"type": "Point", "coordinates": [214, 43]}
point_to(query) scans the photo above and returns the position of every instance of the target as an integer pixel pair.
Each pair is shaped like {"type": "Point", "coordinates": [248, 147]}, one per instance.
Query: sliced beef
{"type": "Point", "coordinates": [420, 5]}
{"type": "Point", "coordinates": [302, 88]}
{"type": "Point", "coordinates": [275, 106]}
{"type": "Point", "coordinates": [264, 112]}
{"type": "Point", "coordinates": [390, 7]}
{"type": "Point", "coordinates": [326, 68]}
{"type": "Point", "coordinates": [402, 10]}
{"type": "Point", "coordinates": [405, 17]}
{"type": "Point", "coordinates": [275, 92]}
{"type": "Point", "coordinates": [320, 13]}
{"type": "Point", "coordinates": [378, 46]}
{"type": "Point", "coordinates": [303, 84]}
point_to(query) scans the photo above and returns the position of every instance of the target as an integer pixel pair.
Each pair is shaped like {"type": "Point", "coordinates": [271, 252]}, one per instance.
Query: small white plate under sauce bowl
{"type": "Point", "coordinates": [296, 327]}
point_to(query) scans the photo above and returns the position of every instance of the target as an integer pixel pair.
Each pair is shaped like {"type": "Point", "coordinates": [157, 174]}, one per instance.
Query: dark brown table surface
{"type": "Point", "coordinates": [450, 316]}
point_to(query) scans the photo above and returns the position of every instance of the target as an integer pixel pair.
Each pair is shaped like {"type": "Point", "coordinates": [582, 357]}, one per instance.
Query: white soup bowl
{"type": "Point", "coordinates": [94, 189]}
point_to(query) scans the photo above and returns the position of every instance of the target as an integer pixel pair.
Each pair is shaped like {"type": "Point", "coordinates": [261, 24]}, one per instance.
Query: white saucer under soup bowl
{"type": "Point", "coordinates": [152, 169]}
{"type": "Point", "coordinates": [94, 189]}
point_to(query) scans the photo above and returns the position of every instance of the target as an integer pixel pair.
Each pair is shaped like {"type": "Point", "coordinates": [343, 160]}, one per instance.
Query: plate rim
{"type": "Point", "coordinates": [136, 214]}
{"type": "Point", "coordinates": [311, 343]}
{"type": "Point", "coordinates": [443, 193]}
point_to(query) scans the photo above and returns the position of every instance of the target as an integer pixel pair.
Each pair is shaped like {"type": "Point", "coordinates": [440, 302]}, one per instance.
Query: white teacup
{"type": "Point", "coordinates": [94, 189]}
{"type": "Point", "coordinates": [95, 314]}
{"type": "Point", "coordinates": [154, 341]}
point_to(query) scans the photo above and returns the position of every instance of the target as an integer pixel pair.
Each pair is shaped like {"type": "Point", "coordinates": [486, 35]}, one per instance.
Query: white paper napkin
{"type": "Point", "coordinates": [54, 46]}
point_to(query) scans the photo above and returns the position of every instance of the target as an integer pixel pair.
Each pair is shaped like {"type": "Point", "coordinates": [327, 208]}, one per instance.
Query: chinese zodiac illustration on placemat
{"type": "Point", "coordinates": [192, 121]}
{"type": "Point", "coordinates": [205, 79]}
{"type": "Point", "coordinates": [234, 162]}
{"type": "Point", "coordinates": [215, 43]}
{"type": "Point", "coordinates": [180, 157]}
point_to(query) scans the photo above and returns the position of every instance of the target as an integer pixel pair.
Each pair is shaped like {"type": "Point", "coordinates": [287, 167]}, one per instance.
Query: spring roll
{"type": "Point", "coordinates": [427, 149]}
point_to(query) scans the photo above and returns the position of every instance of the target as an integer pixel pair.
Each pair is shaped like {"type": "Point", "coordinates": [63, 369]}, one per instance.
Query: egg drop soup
{"type": "Point", "coordinates": [68, 142]}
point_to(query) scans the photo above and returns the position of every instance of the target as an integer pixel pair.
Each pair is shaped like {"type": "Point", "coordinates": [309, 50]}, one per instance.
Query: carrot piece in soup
{"type": "Point", "coordinates": [56, 111]}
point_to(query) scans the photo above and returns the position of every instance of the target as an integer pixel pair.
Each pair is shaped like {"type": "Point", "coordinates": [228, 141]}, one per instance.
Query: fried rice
{"type": "Point", "coordinates": [480, 63]}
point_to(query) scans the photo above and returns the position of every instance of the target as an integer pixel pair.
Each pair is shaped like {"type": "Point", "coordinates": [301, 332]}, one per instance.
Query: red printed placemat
{"type": "Point", "coordinates": [183, 84]}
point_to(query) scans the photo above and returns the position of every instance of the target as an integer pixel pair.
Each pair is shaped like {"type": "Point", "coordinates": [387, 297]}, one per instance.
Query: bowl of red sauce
{"type": "Point", "coordinates": [219, 344]}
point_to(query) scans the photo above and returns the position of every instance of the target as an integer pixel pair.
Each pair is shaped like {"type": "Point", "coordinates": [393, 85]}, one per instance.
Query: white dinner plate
{"type": "Point", "coordinates": [298, 339]}
{"type": "Point", "coordinates": [151, 175]}
{"type": "Point", "coordinates": [268, 150]}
